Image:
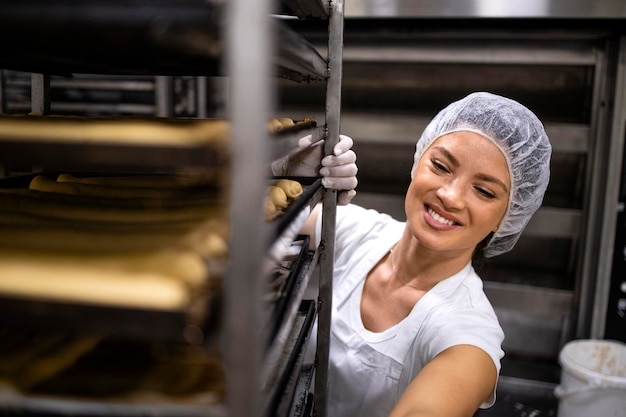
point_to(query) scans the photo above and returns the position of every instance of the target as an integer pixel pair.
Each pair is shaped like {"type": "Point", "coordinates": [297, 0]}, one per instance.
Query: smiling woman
{"type": "Point", "coordinates": [412, 332]}
{"type": "Point", "coordinates": [459, 193]}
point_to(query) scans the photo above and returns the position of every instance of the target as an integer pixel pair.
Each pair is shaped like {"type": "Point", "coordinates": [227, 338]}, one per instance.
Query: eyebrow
{"type": "Point", "coordinates": [481, 176]}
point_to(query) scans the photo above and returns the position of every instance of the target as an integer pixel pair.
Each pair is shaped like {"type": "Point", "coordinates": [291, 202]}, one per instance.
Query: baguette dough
{"type": "Point", "coordinates": [116, 131]}
{"type": "Point", "coordinates": [53, 361]}
{"type": "Point", "coordinates": [69, 280]}
{"type": "Point", "coordinates": [71, 211]}
{"type": "Point", "coordinates": [136, 181]}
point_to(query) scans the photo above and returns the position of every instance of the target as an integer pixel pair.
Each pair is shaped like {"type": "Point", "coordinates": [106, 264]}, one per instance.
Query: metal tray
{"type": "Point", "coordinates": [283, 387]}
{"type": "Point", "coordinates": [197, 323]}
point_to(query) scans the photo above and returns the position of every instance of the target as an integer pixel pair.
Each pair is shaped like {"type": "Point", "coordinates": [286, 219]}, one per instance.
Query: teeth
{"type": "Point", "coordinates": [438, 218]}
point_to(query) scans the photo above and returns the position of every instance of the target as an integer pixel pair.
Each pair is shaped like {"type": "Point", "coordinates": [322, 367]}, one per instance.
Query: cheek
{"type": "Point", "coordinates": [415, 189]}
{"type": "Point", "coordinates": [499, 216]}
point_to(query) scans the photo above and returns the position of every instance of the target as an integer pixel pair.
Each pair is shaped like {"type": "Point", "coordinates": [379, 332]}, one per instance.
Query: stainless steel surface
{"type": "Point", "coordinates": [327, 245]}
{"type": "Point", "coordinates": [611, 198]}
{"type": "Point", "coordinates": [486, 8]}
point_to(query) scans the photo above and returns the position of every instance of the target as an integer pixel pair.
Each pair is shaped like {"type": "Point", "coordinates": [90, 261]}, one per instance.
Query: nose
{"type": "Point", "coordinates": [452, 194]}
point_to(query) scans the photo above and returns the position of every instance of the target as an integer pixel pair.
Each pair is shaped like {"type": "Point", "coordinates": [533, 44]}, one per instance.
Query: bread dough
{"type": "Point", "coordinates": [156, 131]}
{"type": "Point", "coordinates": [67, 279]}
{"type": "Point", "coordinates": [292, 188]}
{"type": "Point", "coordinates": [278, 196]}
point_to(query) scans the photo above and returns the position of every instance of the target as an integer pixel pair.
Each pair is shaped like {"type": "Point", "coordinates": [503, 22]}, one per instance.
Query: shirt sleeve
{"type": "Point", "coordinates": [466, 327]}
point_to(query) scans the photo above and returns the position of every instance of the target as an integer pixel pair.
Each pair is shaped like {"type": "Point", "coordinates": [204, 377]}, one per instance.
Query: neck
{"type": "Point", "coordinates": [421, 268]}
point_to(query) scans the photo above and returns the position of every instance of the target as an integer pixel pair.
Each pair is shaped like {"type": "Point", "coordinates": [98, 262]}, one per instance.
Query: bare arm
{"type": "Point", "coordinates": [453, 384]}
{"type": "Point", "coordinates": [309, 226]}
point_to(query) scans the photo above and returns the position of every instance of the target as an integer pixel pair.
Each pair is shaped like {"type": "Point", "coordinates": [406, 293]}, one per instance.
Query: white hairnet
{"type": "Point", "coordinates": [522, 139]}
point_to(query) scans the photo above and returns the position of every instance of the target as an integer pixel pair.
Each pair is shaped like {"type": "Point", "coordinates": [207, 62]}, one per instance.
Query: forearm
{"type": "Point", "coordinates": [310, 226]}
{"type": "Point", "coordinates": [453, 384]}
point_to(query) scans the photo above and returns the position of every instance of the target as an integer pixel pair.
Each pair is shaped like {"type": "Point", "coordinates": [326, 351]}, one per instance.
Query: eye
{"type": "Point", "coordinates": [439, 166]}
{"type": "Point", "coordinates": [485, 193]}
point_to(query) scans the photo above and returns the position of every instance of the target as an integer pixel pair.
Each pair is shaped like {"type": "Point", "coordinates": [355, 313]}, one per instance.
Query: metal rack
{"type": "Point", "coordinates": [199, 38]}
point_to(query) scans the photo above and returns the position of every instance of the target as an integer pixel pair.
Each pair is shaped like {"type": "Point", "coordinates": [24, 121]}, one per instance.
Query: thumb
{"type": "Point", "coordinates": [305, 141]}
{"type": "Point", "coordinates": [345, 144]}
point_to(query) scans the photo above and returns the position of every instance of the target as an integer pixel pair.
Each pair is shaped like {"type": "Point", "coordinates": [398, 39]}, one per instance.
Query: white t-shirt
{"type": "Point", "coordinates": [370, 371]}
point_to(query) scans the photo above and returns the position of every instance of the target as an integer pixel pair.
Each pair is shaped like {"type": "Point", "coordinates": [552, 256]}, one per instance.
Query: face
{"type": "Point", "coordinates": [459, 193]}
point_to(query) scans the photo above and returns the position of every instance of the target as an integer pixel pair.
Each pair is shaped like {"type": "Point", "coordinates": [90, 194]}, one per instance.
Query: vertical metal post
{"type": "Point", "coordinates": [250, 46]}
{"type": "Point", "coordinates": [164, 95]}
{"type": "Point", "coordinates": [594, 183]}
{"type": "Point", "coordinates": [201, 97]}
{"type": "Point", "coordinates": [611, 198]}
{"type": "Point", "coordinates": [39, 94]}
{"type": "Point", "coordinates": [327, 246]}
{"type": "Point", "coordinates": [2, 93]}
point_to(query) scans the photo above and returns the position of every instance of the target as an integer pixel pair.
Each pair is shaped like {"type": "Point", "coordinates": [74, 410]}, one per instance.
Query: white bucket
{"type": "Point", "coordinates": [593, 379]}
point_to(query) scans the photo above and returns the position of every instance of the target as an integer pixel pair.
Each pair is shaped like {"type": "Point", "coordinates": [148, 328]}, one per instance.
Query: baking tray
{"type": "Point", "coordinates": [14, 404]}
{"type": "Point", "coordinates": [149, 37]}
{"type": "Point", "coordinates": [138, 37]}
{"type": "Point", "coordinates": [303, 399]}
{"type": "Point", "coordinates": [287, 292]}
{"type": "Point", "coordinates": [80, 142]}
{"type": "Point", "coordinates": [283, 387]}
{"type": "Point", "coordinates": [197, 323]}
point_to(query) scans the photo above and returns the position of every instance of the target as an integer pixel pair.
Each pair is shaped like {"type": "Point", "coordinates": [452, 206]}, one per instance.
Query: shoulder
{"type": "Point", "coordinates": [464, 317]}
{"type": "Point", "coordinates": [368, 220]}
{"type": "Point", "coordinates": [359, 227]}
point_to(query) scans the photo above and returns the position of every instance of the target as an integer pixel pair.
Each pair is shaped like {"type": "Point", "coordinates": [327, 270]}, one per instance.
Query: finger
{"type": "Point", "coordinates": [305, 141]}
{"type": "Point", "coordinates": [345, 197]}
{"type": "Point", "coordinates": [341, 171]}
{"type": "Point", "coordinates": [344, 144]}
{"type": "Point", "coordinates": [344, 159]}
{"type": "Point", "coordinates": [340, 183]}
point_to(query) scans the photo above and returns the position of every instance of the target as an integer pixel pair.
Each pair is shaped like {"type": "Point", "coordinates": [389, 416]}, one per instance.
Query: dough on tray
{"type": "Point", "coordinates": [280, 195]}
{"type": "Point", "coordinates": [147, 248]}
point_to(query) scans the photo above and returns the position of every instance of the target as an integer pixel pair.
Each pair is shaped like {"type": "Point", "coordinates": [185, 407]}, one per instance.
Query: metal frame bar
{"type": "Point", "coordinates": [2, 93]}
{"type": "Point", "coordinates": [164, 95]}
{"type": "Point", "coordinates": [600, 152]}
{"type": "Point", "coordinates": [251, 103]}
{"type": "Point", "coordinates": [333, 117]}
{"type": "Point", "coordinates": [543, 53]}
{"type": "Point", "coordinates": [611, 199]}
{"type": "Point", "coordinates": [40, 94]}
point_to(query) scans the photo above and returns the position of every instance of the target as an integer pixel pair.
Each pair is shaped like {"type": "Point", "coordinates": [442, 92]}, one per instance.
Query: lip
{"type": "Point", "coordinates": [435, 224]}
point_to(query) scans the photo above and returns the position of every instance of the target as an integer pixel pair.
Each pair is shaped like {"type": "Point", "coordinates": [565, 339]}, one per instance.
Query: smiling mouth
{"type": "Point", "coordinates": [438, 218]}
